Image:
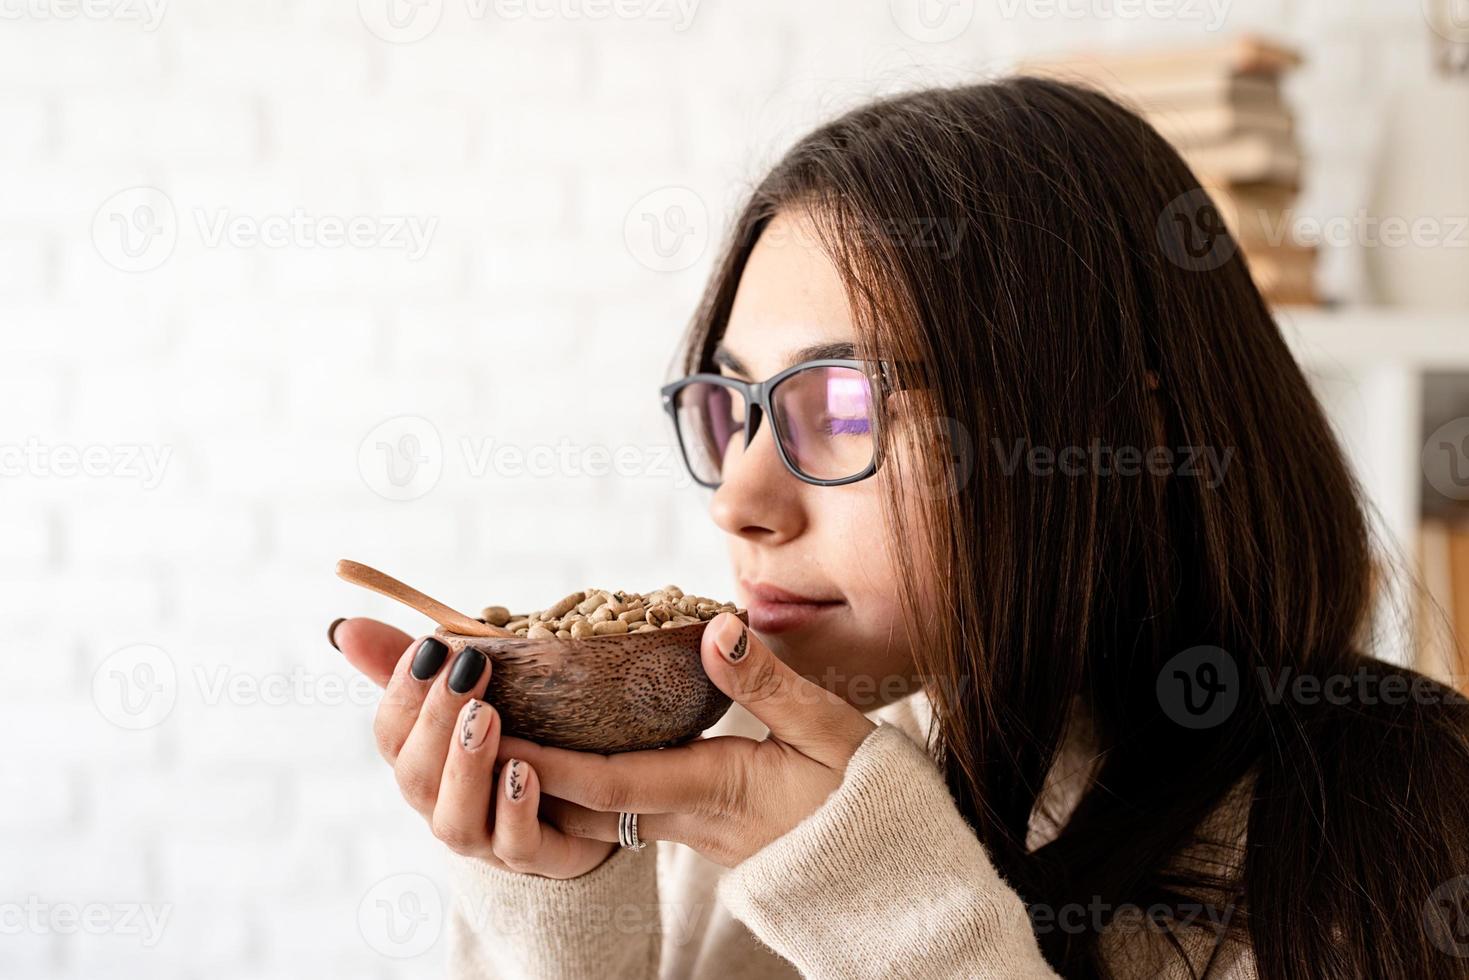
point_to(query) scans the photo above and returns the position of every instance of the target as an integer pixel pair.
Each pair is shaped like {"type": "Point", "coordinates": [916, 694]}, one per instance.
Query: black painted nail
{"type": "Point", "coordinates": [430, 657]}
{"type": "Point", "coordinates": [466, 671]}
{"type": "Point", "coordinates": [331, 631]}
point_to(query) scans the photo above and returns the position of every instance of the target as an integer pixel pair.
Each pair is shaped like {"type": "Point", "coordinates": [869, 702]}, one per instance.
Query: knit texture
{"type": "Point", "coordinates": [884, 880]}
{"type": "Point", "coordinates": [605, 923]}
{"type": "Point", "coordinates": [823, 895]}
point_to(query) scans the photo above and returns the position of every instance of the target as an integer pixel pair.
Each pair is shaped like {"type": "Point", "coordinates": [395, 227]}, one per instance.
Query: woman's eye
{"type": "Point", "coordinates": [859, 426]}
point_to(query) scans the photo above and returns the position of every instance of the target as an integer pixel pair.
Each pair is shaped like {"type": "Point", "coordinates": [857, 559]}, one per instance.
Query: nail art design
{"type": "Point", "coordinates": [331, 631]}
{"type": "Point", "coordinates": [474, 725]}
{"type": "Point", "coordinates": [741, 647]}
{"type": "Point", "coordinates": [515, 779]}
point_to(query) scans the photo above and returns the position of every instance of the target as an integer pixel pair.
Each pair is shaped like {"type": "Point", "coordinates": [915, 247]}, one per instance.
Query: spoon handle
{"type": "Point", "coordinates": [370, 578]}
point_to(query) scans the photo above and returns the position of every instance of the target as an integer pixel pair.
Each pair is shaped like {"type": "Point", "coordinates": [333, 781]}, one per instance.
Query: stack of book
{"type": "Point", "coordinates": [1221, 107]}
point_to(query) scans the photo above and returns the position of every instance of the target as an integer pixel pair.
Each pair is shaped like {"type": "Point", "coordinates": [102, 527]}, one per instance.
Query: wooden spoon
{"type": "Point", "coordinates": [371, 578]}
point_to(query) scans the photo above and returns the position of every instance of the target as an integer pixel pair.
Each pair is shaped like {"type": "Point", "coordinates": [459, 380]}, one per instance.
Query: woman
{"type": "Point", "coordinates": [1058, 590]}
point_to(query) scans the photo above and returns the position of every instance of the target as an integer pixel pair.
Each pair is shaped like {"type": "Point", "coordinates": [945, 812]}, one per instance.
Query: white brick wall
{"type": "Point", "coordinates": [259, 370]}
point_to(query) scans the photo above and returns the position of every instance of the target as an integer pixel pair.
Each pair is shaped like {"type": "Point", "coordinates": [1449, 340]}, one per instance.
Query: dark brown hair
{"type": "Point", "coordinates": [1038, 252]}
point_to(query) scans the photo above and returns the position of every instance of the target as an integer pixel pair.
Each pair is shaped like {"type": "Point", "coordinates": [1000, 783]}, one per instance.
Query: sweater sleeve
{"type": "Point", "coordinates": [508, 926]}
{"type": "Point", "coordinates": [885, 879]}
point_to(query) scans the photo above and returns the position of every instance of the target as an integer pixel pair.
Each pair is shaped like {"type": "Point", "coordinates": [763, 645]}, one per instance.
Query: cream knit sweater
{"type": "Point", "coordinates": [885, 879]}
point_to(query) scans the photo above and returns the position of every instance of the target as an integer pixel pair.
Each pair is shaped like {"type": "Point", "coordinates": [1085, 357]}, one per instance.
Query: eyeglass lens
{"type": "Point", "coordinates": [822, 417]}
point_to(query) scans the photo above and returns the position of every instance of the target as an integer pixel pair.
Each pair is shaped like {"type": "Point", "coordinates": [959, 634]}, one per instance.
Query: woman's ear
{"type": "Point", "coordinates": [1152, 380]}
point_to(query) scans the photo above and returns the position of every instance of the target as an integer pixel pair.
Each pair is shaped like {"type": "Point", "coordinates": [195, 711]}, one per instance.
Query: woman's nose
{"type": "Point", "coordinates": [758, 498]}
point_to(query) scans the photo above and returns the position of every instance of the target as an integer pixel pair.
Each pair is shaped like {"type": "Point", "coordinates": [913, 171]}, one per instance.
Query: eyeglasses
{"type": "Point", "coordinates": [823, 414]}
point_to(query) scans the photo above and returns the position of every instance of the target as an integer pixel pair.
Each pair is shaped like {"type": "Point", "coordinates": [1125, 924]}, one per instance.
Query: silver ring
{"type": "Point", "coordinates": [627, 832]}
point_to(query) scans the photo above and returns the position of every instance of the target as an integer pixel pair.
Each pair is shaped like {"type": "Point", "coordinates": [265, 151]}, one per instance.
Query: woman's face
{"type": "Point", "coordinates": [812, 563]}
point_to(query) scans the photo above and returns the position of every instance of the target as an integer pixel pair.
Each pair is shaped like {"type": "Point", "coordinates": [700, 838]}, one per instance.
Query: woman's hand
{"type": "Point", "coordinates": [442, 742]}
{"type": "Point", "coordinates": [726, 797]}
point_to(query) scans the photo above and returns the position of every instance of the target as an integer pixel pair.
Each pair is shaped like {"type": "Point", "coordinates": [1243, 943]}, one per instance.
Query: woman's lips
{"type": "Point", "coordinates": [776, 610]}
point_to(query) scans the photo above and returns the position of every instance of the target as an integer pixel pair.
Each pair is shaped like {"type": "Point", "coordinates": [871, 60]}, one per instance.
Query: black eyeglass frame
{"type": "Point", "coordinates": [757, 395]}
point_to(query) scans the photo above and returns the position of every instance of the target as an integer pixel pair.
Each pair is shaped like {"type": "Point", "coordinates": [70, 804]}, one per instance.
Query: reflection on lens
{"type": "Point", "coordinates": [824, 419]}
{"type": "Point", "coordinates": [711, 417]}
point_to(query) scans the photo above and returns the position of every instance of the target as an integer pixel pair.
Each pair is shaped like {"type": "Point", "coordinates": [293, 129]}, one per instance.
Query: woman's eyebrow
{"type": "Point", "coordinates": [816, 352]}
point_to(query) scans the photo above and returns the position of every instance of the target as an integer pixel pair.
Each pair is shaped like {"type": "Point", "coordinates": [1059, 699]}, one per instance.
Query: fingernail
{"type": "Point", "coordinates": [466, 671]}
{"type": "Point", "coordinates": [474, 724]}
{"type": "Point", "coordinates": [515, 779]}
{"type": "Point", "coordinates": [733, 640]}
{"type": "Point", "coordinates": [331, 631]}
{"type": "Point", "coordinates": [430, 657]}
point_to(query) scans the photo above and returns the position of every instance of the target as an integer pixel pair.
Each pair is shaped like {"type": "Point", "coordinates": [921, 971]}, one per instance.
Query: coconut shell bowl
{"type": "Point", "coordinates": [618, 693]}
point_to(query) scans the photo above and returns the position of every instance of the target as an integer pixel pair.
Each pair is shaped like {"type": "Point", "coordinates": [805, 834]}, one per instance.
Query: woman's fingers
{"type": "Point", "coordinates": [370, 646]}
{"type": "Point", "coordinates": [522, 842]}
{"type": "Point", "coordinates": [461, 814]}
{"type": "Point", "coordinates": [420, 763]}
{"type": "Point", "coordinates": [704, 776]}
{"type": "Point", "coordinates": [413, 677]}
{"type": "Point", "coordinates": [804, 715]}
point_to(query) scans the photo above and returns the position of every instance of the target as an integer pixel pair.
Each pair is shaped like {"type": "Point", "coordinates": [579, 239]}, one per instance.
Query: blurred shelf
{"type": "Point", "coordinates": [1372, 337]}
